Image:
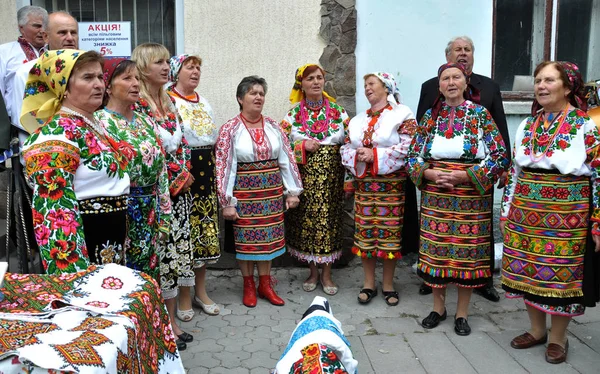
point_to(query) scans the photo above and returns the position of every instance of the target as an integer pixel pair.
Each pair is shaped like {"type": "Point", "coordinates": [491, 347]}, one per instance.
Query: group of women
{"type": "Point", "coordinates": [128, 166]}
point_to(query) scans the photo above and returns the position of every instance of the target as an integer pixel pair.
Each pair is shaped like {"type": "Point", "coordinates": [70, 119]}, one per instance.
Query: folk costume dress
{"type": "Point", "coordinates": [314, 227]}
{"type": "Point", "coordinates": [149, 204]}
{"type": "Point", "coordinates": [176, 252]}
{"type": "Point", "coordinates": [455, 244]}
{"type": "Point", "coordinates": [255, 169]}
{"type": "Point", "coordinates": [79, 179]}
{"type": "Point", "coordinates": [379, 186]}
{"type": "Point", "coordinates": [552, 194]}
{"type": "Point", "coordinates": [201, 134]}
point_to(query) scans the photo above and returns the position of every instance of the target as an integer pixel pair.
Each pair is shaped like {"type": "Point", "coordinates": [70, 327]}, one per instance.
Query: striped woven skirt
{"type": "Point", "coordinates": [378, 215]}
{"type": "Point", "coordinates": [455, 244]}
{"type": "Point", "coordinates": [259, 232]}
{"type": "Point", "coordinates": [314, 228]}
{"type": "Point", "coordinates": [545, 241]}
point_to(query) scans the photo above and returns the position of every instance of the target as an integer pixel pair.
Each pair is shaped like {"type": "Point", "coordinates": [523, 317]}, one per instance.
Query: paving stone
{"type": "Point", "coordinates": [260, 320]}
{"type": "Point", "coordinates": [204, 345]}
{"type": "Point", "coordinates": [198, 370]}
{"type": "Point", "coordinates": [478, 348]}
{"type": "Point", "coordinates": [258, 359]}
{"type": "Point", "coordinates": [223, 370]}
{"type": "Point", "coordinates": [284, 326]}
{"type": "Point", "coordinates": [202, 360]}
{"type": "Point", "coordinates": [262, 332]}
{"type": "Point", "coordinates": [232, 360]}
{"type": "Point", "coordinates": [260, 370]}
{"type": "Point", "coordinates": [588, 333]}
{"type": "Point", "coordinates": [260, 344]}
{"type": "Point", "coordinates": [395, 326]}
{"type": "Point", "coordinates": [360, 354]}
{"type": "Point", "coordinates": [238, 320]}
{"type": "Point", "coordinates": [213, 332]}
{"type": "Point", "coordinates": [429, 349]}
{"type": "Point", "coordinates": [233, 331]}
{"type": "Point", "coordinates": [234, 344]}
{"type": "Point", "coordinates": [389, 353]}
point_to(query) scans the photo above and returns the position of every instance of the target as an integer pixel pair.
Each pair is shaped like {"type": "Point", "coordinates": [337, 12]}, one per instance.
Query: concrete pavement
{"type": "Point", "coordinates": [384, 339]}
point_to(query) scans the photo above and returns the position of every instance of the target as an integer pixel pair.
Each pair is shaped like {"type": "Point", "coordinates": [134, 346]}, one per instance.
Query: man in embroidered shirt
{"type": "Point", "coordinates": [13, 55]}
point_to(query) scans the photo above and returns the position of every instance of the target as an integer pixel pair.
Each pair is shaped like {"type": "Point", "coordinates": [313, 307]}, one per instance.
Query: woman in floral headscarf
{"type": "Point", "coordinates": [201, 134]}
{"type": "Point", "coordinates": [550, 208]}
{"type": "Point", "coordinates": [315, 127]}
{"type": "Point", "coordinates": [374, 152]}
{"type": "Point", "coordinates": [149, 204]}
{"type": "Point", "coordinates": [455, 159]}
{"type": "Point", "coordinates": [79, 178]}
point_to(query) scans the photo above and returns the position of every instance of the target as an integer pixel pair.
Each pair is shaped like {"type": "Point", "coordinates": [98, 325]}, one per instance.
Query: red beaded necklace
{"type": "Point", "coordinates": [260, 135]}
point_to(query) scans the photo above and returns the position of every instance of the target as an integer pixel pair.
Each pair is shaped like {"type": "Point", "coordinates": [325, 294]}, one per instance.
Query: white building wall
{"type": "Point", "coordinates": [407, 38]}
{"type": "Point", "coordinates": [9, 30]}
{"type": "Point", "coordinates": [237, 38]}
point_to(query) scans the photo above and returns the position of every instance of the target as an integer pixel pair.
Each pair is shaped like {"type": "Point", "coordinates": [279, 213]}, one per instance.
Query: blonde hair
{"type": "Point", "coordinates": [144, 55]}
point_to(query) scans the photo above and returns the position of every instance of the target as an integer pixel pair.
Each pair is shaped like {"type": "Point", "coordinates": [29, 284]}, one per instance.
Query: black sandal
{"type": "Point", "coordinates": [186, 337]}
{"type": "Point", "coordinates": [181, 345]}
{"type": "Point", "coordinates": [370, 295]}
{"type": "Point", "coordinates": [387, 295]}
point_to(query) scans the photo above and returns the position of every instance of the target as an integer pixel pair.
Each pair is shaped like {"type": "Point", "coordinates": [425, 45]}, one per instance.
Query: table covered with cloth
{"type": "Point", "coordinates": [108, 319]}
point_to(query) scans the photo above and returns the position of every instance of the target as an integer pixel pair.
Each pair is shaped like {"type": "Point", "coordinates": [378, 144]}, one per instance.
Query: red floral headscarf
{"type": "Point", "coordinates": [575, 83]}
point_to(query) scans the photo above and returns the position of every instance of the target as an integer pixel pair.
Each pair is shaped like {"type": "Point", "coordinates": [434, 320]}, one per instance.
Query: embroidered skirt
{"type": "Point", "coordinates": [379, 215]}
{"type": "Point", "coordinates": [142, 230]}
{"type": "Point", "coordinates": [204, 218]}
{"type": "Point", "coordinates": [259, 232]}
{"type": "Point", "coordinates": [314, 227]}
{"type": "Point", "coordinates": [545, 241]}
{"type": "Point", "coordinates": [455, 243]}
{"type": "Point", "coordinates": [105, 228]}
{"type": "Point", "coordinates": [176, 253]}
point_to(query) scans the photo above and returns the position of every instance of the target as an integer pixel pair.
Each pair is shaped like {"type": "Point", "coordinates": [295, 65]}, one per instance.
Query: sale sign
{"type": "Point", "coordinates": [111, 39]}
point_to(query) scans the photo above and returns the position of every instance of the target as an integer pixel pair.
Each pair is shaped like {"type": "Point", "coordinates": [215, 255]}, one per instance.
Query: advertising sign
{"type": "Point", "coordinates": [112, 39]}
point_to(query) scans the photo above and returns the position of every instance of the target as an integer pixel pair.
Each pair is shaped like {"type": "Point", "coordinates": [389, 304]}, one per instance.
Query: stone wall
{"type": "Point", "coordinates": [338, 30]}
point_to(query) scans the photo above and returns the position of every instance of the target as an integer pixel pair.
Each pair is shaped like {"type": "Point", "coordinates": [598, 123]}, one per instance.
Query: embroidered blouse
{"type": "Point", "coordinates": [466, 132]}
{"type": "Point", "coordinates": [198, 124]}
{"type": "Point", "coordinates": [173, 142]}
{"type": "Point", "coordinates": [147, 164]}
{"type": "Point", "coordinates": [571, 146]}
{"type": "Point", "coordinates": [66, 162]}
{"type": "Point", "coordinates": [325, 125]}
{"type": "Point", "coordinates": [236, 145]}
{"type": "Point", "coordinates": [388, 132]}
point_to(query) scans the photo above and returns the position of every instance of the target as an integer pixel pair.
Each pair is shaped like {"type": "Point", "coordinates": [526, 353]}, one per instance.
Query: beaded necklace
{"type": "Point", "coordinates": [318, 126]}
{"type": "Point", "coordinates": [547, 142]}
{"type": "Point", "coordinates": [260, 136]}
{"type": "Point", "coordinates": [191, 98]}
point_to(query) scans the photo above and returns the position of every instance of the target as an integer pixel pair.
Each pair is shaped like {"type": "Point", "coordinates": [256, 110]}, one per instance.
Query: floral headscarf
{"type": "Point", "coordinates": [390, 84]}
{"type": "Point", "coordinates": [471, 93]}
{"type": "Point", "coordinates": [575, 84]}
{"type": "Point", "coordinates": [176, 62]}
{"type": "Point", "coordinates": [297, 94]}
{"type": "Point", "coordinates": [110, 65]}
{"type": "Point", "coordinates": [46, 86]}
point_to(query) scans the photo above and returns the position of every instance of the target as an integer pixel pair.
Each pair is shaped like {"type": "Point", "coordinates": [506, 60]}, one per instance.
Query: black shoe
{"type": "Point", "coordinates": [488, 292]}
{"type": "Point", "coordinates": [461, 326]}
{"type": "Point", "coordinates": [425, 289]}
{"type": "Point", "coordinates": [433, 319]}
{"type": "Point", "coordinates": [185, 337]}
{"type": "Point", "coordinates": [181, 345]}
{"type": "Point", "coordinates": [370, 295]}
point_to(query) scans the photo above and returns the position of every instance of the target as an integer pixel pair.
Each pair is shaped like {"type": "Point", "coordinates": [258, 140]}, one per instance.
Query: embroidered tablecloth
{"type": "Point", "coordinates": [108, 319]}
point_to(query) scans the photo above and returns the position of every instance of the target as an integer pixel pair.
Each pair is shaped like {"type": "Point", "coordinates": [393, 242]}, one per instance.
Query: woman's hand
{"type": "Point", "coordinates": [435, 176]}
{"type": "Point", "coordinates": [230, 213]}
{"type": "Point", "coordinates": [453, 178]}
{"type": "Point", "coordinates": [364, 155]}
{"type": "Point", "coordinates": [503, 223]}
{"type": "Point", "coordinates": [312, 145]}
{"type": "Point", "coordinates": [291, 202]}
{"type": "Point", "coordinates": [188, 184]}
{"type": "Point", "coordinates": [597, 242]}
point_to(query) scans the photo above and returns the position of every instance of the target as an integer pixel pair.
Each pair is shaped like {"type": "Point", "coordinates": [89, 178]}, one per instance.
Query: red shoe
{"type": "Point", "coordinates": [249, 298]}
{"type": "Point", "coordinates": [265, 291]}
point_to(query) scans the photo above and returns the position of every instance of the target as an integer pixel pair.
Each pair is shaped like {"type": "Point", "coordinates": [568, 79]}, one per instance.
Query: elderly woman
{"type": "Point", "coordinates": [153, 65]}
{"type": "Point", "coordinates": [149, 204]}
{"type": "Point", "coordinates": [79, 178]}
{"type": "Point", "coordinates": [455, 159]}
{"type": "Point", "coordinates": [548, 202]}
{"type": "Point", "coordinates": [255, 169]}
{"type": "Point", "coordinates": [315, 127]}
{"type": "Point", "coordinates": [201, 134]}
{"type": "Point", "coordinates": [374, 152]}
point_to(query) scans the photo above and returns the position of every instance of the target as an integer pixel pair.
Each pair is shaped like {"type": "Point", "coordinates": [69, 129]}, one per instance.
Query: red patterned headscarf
{"type": "Point", "coordinates": [471, 93]}
{"type": "Point", "coordinates": [577, 97]}
{"type": "Point", "coordinates": [110, 65]}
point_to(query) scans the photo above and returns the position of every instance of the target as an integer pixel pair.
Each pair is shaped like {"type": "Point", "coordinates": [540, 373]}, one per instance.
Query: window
{"type": "Point", "coordinates": [151, 20]}
{"type": "Point", "coordinates": [527, 32]}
